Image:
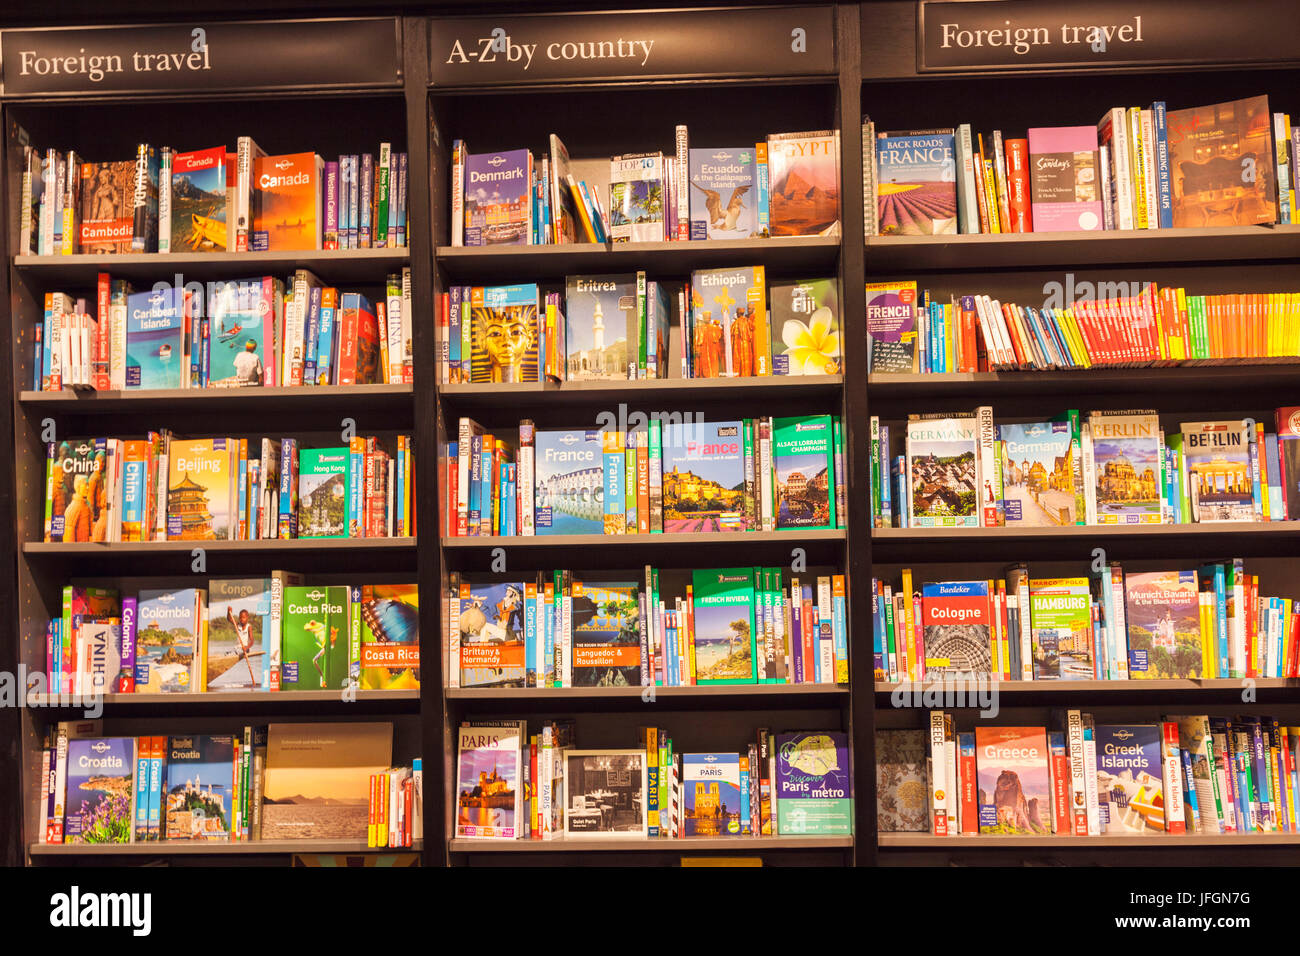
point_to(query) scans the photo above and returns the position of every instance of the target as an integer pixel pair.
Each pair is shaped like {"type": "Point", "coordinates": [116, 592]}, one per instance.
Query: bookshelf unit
{"type": "Point", "coordinates": [1017, 267]}
{"type": "Point", "coordinates": [284, 116]}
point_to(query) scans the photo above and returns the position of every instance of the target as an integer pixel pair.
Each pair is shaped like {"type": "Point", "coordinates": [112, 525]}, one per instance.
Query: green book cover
{"type": "Point", "coordinates": [1060, 616]}
{"type": "Point", "coordinates": [724, 626]}
{"type": "Point", "coordinates": [322, 492]}
{"type": "Point", "coordinates": [314, 644]}
{"type": "Point", "coordinates": [803, 452]}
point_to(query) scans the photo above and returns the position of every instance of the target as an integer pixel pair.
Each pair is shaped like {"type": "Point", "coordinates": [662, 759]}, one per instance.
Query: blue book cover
{"type": "Point", "coordinates": [199, 788]}
{"type": "Point", "coordinates": [497, 201]}
{"type": "Point", "coordinates": [813, 787]}
{"type": "Point", "coordinates": [568, 482]}
{"type": "Point", "coordinates": [155, 339]}
{"type": "Point", "coordinates": [236, 334]}
{"type": "Point", "coordinates": [606, 626]}
{"type": "Point", "coordinates": [1130, 778]}
{"type": "Point", "coordinates": [601, 326]}
{"type": "Point", "coordinates": [722, 199]}
{"type": "Point", "coordinates": [704, 476]}
{"type": "Point", "coordinates": [1037, 474]}
{"type": "Point", "coordinates": [1164, 195]}
{"type": "Point", "coordinates": [614, 493]}
{"type": "Point", "coordinates": [167, 638]}
{"type": "Point", "coordinates": [917, 183]}
{"type": "Point", "coordinates": [100, 778]}
{"type": "Point", "coordinates": [505, 335]}
{"type": "Point", "coordinates": [711, 794]}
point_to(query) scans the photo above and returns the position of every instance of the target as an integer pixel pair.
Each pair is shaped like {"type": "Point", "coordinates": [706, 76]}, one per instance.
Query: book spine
{"type": "Point", "coordinates": [165, 200]}
{"type": "Point", "coordinates": [1165, 199]}
{"type": "Point", "coordinates": [330, 239]}
{"type": "Point", "coordinates": [365, 200]}
{"type": "Point", "coordinates": [1078, 790]}
{"type": "Point", "coordinates": [682, 142]}
{"type": "Point", "coordinates": [939, 783]}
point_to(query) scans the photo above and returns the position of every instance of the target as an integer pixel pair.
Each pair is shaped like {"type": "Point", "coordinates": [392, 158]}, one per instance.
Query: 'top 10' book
{"type": "Point", "coordinates": [704, 477]}
{"type": "Point", "coordinates": [600, 323]}
{"type": "Point", "coordinates": [492, 652]}
{"type": "Point", "coordinates": [724, 626]}
{"type": "Point", "coordinates": [606, 635]}
{"type": "Point", "coordinates": [814, 787]}
{"type": "Point", "coordinates": [803, 455]}
{"type": "Point", "coordinates": [314, 651]}
{"type": "Point", "coordinates": [99, 790]}
{"type": "Point", "coordinates": [568, 484]}
{"type": "Point", "coordinates": [504, 335]}
{"type": "Point", "coordinates": [805, 319]}
{"type": "Point", "coordinates": [1011, 772]}
{"type": "Point", "coordinates": [498, 203]}
{"type": "Point", "coordinates": [156, 340]}
{"type": "Point", "coordinates": [917, 177]}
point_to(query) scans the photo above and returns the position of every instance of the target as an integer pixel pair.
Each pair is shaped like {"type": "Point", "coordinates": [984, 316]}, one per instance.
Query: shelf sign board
{"type": "Point", "coordinates": [977, 35]}
{"type": "Point", "coordinates": [771, 41]}
{"type": "Point", "coordinates": [202, 57]}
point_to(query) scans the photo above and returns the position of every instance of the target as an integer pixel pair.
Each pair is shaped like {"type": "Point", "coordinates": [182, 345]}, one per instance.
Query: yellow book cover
{"type": "Point", "coordinates": [198, 489]}
{"type": "Point", "coordinates": [290, 215]}
{"type": "Point", "coordinates": [914, 672]}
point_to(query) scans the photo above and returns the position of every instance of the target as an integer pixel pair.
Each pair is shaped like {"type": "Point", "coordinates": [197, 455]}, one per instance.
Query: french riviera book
{"type": "Point", "coordinates": [199, 494]}
{"type": "Point", "coordinates": [805, 320]}
{"type": "Point", "coordinates": [724, 626]}
{"type": "Point", "coordinates": [489, 779]}
{"type": "Point", "coordinates": [711, 795]}
{"type": "Point", "coordinates": [956, 619]}
{"type": "Point", "coordinates": [902, 785]}
{"type": "Point", "coordinates": [606, 634]}
{"type": "Point", "coordinates": [1219, 474]}
{"type": "Point", "coordinates": [199, 201]}
{"type": "Point", "coordinates": [1015, 792]}
{"type": "Point", "coordinates": [200, 787]}
{"type": "Point", "coordinates": [323, 492]}
{"type": "Point", "coordinates": [290, 215]}
{"type": "Point", "coordinates": [106, 207]}
{"type": "Point", "coordinates": [604, 794]}
{"type": "Point", "coordinates": [814, 788]}
{"type": "Point", "coordinates": [804, 172]}
{"type": "Point", "coordinates": [722, 193]}
{"type": "Point", "coordinates": [1064, 189]}
{"type": "Point", "coordinates": [917, 183]}
{"type": "Point", "coordinates": [891, 326]}
{"type": "Point", "coordinates": [1210, 149]}
{"type": "Point", "coordinates": [100, 802]}
{"type": "Point", "coordinates": [942, 472]}
{"type": "Point", "coordinates": [317, 780]}
{"type": "Point", "coordinates": [568, 483]}
{"type": "Point", "coordinates": [704, 477]}
{"type": "Point", "coordinates": [498, 203]}
{"type": "Point", "coordinates": [729, 309]}
{"type": "Point", "coordinates": [600, 318]}
{"type": "Point", "coordinates": [239, 611]}
{"type": "Point", "coordinates": [803, 456]}
{"type": "Point", "coordinates": [492, 652]}
{"type": "Point", "coordinates": [167, 640]}
{"type": "Point", "coordinates": [1037, 474]}
{"type": "Point", "coordinates": [1061, 627]}
{"type": "Point", "coordinates": [157, 353]}
{"type": "Point", "coordinates": [1130, 778]}
{"type": "Point", "coordinates": [314, 638]}
{"type": "Point", "coordinates": [504, 334]}
{"type": "Point", "coordinates": [1162, 611]}
{"type": "Point", "coordinates": [390, 637]}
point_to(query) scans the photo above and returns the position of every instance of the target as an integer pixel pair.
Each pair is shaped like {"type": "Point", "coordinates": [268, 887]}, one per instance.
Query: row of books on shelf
{"type": "Point", "coordinates": [1180, 775]}
{"type": "Point", "coordinates": [1228, 164]}
{"type": "Point", "coordinates": [1210, 622]}
{"type": "Point", "coordinates": [165, 488]}
{"type": "Point", "coordinates": [272, 633]}
{"type": "Point", "coordinates": [513, 783]}
{"type": "Point", "coordinates": [618, 327]}
{"type": "Point", "coordinates": [754, 474]}
{"type": "Point", "coordinates": [1110, 468]}
{"type": "Point", "coordinates": [227, 334]}
{"type": "Point", "coordinates": [211, 200]}
{"type": "Point", "coordinates": [723, 626]}
{"type": "Point", "coordinates": [787, 185]}
{"type": "Point", "coordinates": [271, 782]}
{"type": "Point", "coordinates": [910, 330]}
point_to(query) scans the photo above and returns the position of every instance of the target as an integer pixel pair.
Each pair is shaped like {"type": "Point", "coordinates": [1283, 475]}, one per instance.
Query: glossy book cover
{"type": "Point", "coordinates": [704, 477]}
{"type": "Point", "coordinates": [167, 638]}
{"type": "Point", "coordinates": [1065, 193]}
{"type": "Point", "coordinates": [805, 327]}
{"type": "Point", "coordinates": [803, 459]}
{"type": "Point", "coordinates": [814, 788]}
{"type": "Point", "coordinates": [1163, 614]}
{"type": "Point", "coordinates": [488, 781]}
{"type": "Point", "coordinates": [492, 652]}
{"type": "Point", "coordinates": [498, 200]}
{"type": "Point", "coordinates": [606, 634]}
{"type": "Point", "coordinates": [917, 178]}
{"type": "Point", "coordinates": [1037, 474]}
{"type": "Point", "coordinates": [1219, 475]}
{"type": "Point", "coordinates": [199, 791]}
{"type": "Point", "coordinates": [1126, 468]}
{"type": "Point", "coordinates": [956, 619]}
{"type": "Point", "coordinates": [711, 795]}
{"type": "Point", "coordinates": [390, 637]}
{"type": "Point", "coordinates": [289, 216]}
{"type": "Point", "coordinates": [504, 334]}
{"type": "Point", "coordinates": [1013, 780]}
{"type": "Point", "coordinates": [730, 331]}
{"type": "Point", "coordinates": [724, 639]}
{"type": "Point", "coordinates": [100, 776]}
{"type": "Point", "coordinates": [238, 612]}
{"type": "Point", "coordinates": [722, 200]}
{"type": "Point", "coordinates": [568, 482]}
{"type": "Point", "coordinates": [601, 326]}
{"type": "Point", "coordinates": [314, 653]}
{"type": "Point", "coordinates": [107, 214]}
{"type": "Point", "coordinates": [199, 489]}
{"type": "Point", "coordinates": [157, 354]}
{"type": "Point", "coordinates": [941, 470]}
{"type": "Point", "coordinates": [237, 340]}
{"type": "Point", "coordinates": [804, 172]}
{"type": "Point", "coordinates": [1130, 778]}
{"type": "Point", "coordinates": [199, 200]}
{"type": "Point", "coordinates": [1060, 614]}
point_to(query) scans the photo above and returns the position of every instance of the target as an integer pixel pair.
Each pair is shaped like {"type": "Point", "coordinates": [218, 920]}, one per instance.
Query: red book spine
{"type": "Point", "coordinates": [806, 636]}
{"type": "Point", "coordinates": [103, 346]}
{"type": "Point", "coordinates": [970, 811]}
{"type": "Point", "coordinates": [971, 353]}
{"type": "Point", "coordinates": [1173, 777]}
{"type": "Point", "coordinates": [1017, 152]}
{"type": "Point", "coordinates": [367, 487]}
{"type": "Point", "coordinates": [1061, 792]}
{"type": "Point", "coordinates": [348, 322]}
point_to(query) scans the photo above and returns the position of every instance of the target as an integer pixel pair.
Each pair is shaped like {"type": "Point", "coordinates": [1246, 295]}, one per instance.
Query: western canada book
{"type": "Point", "coordinates": [804, 172]}
{"type": "Point", "coordinates": [604, 794]}
{"type": "Point", "coordinates": [803, 456]}
{"type": "Point", "coordinates": [489, 780]}
{"type": "Point", "coordinates": [814, 788]}
{"type": "Point", "coordinates": [168, 635]}
{"type": "Point", "coordinates": [916, 173]}
{"type": "Point", "coordinates": [704, 477]}
{"type": "Point", "coordinates": [1162, 610]}
{"type": "Point", "coordinates": [722, 193]}
{"type": "Point", "coordinates": [1015, 793]}
{"type": "Point", "coordinates": [601, 323]}
{"type": "Point", "coordinates": [492, 652]}
{"type": "Point", "coordinates": [891, 326]}
{"type": "Point", "coordinates": [316, 785]}
{"type": "Point", "coordinates": [606, 634]}
{"type": "Point", "coordinates": [199, 788]}
{"type": "Point", "coordinates": [498, 206]}
{"type": "Point", "coordinates": [805, 318]}
{"type": "Point", "coordinates": [198, 201]}
{"type": "Point", "coordinates": [724, 639]}
{"type": "Point", "coordinates": [239, 612]}
{"type": "Point", "coordinates": [504, 334]}
{"type": "Point", "coordinates": [1037, 474]}
{"type": "Point", "coordinates": [568, 482]}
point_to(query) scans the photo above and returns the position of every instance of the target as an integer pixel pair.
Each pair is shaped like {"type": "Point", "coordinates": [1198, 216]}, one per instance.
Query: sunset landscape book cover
{"type": "Point", "coordinates": [290, 216]}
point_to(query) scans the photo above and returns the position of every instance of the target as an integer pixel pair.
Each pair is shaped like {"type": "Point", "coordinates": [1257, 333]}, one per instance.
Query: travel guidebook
{"type": "Point", "coordinates": [390, 637]}
{"type": "Point", "coordinates": [1219, 473]}
{"type": "Point", "coordinates": [804, 173]}
{"type": "Point", "coordinates": [1014, 786]}
{"type": "Point", "coordinates": [199, 491]}
{"type": "Point", "coordinates": [704, 477]}
{"type": "Point", "coordinates": [1037, 474]}
{"type": "Point", "coordinates": [567, 485]}
{"type": "Point", "coordinates": [724, 626]}
{"type": "Point", "coordinates": [169, 626]}
{"type": "Point", "coordinates": [1060, 618]}
{"type": "Point", "coordinates": [636, 197]}
{"type": "Point", "coordinates": [323, 492]}
{"type": "Point", "coordinates": [489, 781]}
{"type": "Point", "coordinates": [730, 334]}
{"type": "Point", "coordinates": [238, 322]}
{"type": "Point", "coordinates": [76, 477]}
{"type": "Point", "coordinates": [600, 318]}
{"type": "Point", "coordinates": [956, 620]}
{"type": "Point", "coordinates": [1130, 778]}
{"type": "Point", "coordinates": [814, 788]}
{"type": "Point", "coordinates": [314, 653]}
{"type": "Point", "coordinates": [318, 777]}
{"type": "Point", "coordinates": [498, 202]}
{"type": "Point", "coordinates": [492, 652]}
{"type": "Point", "coordinates": [604, 794]}
{"type": "Point", "coordinates": [199, 201]}
{"type": "Point", "coordinates": [722, 201]}
{"type": "Point", "coordinates": [606, 634]}
{"type": "Point", "coordinates": [1163, 613]}
{"type": "Point", "coordinates": [157, 345]}
{"type": "Point", "coordinates": [1210, 148]}
{"type": "Point", "coordinates": [711, 795]}
{"type": "Point", "coordinates": [1123, 454]}
{"type": "Point", "coordinates": [803, 457]}
{"type": "Point", "coordinates": [891, 326]}
{"type": "Point", "coordinates": [942, 473]}
{"type": "Point", "coordinates": [199, 789]}
{"type": "Point", "coordinates": [290, 215]}
{"type": "Point", "coordinates": [917, 177]}
{"type": "Point", "coordinates": [100, 801]}
{"type": "Point", "coordinates": [1064, 190]}
{"type": "Point", "coordinates": [504, 335]}
{"type": "Point", "coordinates": [238, 613]}
{"type": "Point", "coordinates": [806, 327]}
{"type": "Point", "coordinates": [106, 207]}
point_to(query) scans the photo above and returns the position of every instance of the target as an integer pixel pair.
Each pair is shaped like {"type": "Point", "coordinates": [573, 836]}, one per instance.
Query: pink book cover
{"type": "Point", "coordinates": [1063, 182]}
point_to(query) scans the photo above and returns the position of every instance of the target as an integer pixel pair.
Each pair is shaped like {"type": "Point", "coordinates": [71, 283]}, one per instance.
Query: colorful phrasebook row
{"type": "Point", "coordinates": [164, 488]}
{"type": "Point", "coordinates": [717, 626]}
{"type": "Point", "coordinates": [514, 782]}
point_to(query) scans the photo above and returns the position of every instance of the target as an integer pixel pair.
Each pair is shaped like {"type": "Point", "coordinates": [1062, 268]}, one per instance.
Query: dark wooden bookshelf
{"type": "Point", "coordinates": [332, 265]}
{"type": "Point", "coordinates": [676, 392]}
{"type": "Point", "coordinates": [315, 701]}
{"type": "Point", "coordinates": [272, 400]}
{"type": "Point", "coordinates": [55, 853]}
{"type": "Point", "coordinates": [680, 846]}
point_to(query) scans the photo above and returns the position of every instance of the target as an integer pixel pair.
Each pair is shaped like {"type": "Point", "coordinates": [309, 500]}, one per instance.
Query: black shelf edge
{"type": "Point", "coordinates": [890, 254]}
{"type": "Point", "coordinates": [781, 255]}
{"type": "Point", "coordinates": [638, 694]}
{"type": "Point", "coordinates": [1129, 689]}
{"type": "Point", "coordinates": [665, 390]}
{"type": "Point", "coordinates": [274, 545]}
{"type": "Point", "coordinates": [1155, 841]}
{"type": "Point", "coordinates": [265, 399]}
{"type": "Point", "coordinates": [329, 264]}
